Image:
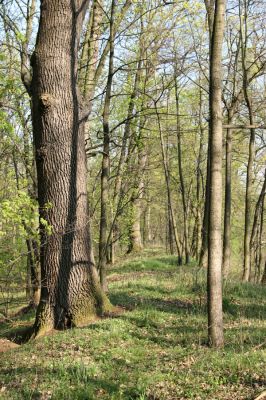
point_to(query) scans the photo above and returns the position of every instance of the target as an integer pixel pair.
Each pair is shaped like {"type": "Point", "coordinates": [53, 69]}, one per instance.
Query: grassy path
{"type": "Point", "coordinates": [155, 350]}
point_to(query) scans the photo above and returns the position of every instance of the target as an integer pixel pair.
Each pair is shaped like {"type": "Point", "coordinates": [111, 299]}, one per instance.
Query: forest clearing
{"type": "Point", "coordinates": [132, 199]}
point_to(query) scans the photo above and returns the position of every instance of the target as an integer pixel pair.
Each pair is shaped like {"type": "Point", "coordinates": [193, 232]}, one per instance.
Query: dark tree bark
{"type": "Point", "coordinates": [215, 312]}
{"type": "Point", "coordinates": [70, 292]}
{"type": "Point", "coordinates": [263, 279]}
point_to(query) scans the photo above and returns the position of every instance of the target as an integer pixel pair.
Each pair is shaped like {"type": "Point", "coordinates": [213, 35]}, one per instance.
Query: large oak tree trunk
{"type": "Point", "coordinates": [70, 292]}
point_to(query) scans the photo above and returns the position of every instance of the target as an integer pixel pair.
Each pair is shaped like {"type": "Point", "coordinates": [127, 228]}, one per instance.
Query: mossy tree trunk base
{"type": "Point", "coordinates": [81, 311]}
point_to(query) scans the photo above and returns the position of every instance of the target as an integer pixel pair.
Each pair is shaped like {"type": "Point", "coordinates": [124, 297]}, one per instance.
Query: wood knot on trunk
{"type": "Point", "coordinates": [46, 101]}
{"type": "Point", "coordinates": [41, 153]}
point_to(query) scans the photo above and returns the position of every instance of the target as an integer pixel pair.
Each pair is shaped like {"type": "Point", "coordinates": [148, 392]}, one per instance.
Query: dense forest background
{"type": "Point", "coordinates": [132, 199]}
{"type": "Point", "coordinates": [147, 129]}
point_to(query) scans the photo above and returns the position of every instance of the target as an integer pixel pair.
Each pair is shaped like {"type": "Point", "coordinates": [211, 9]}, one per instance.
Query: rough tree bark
{"type": "Point", "coordinates": [70, 292]}
{"type": "Point", "coordinates": [215, 312]}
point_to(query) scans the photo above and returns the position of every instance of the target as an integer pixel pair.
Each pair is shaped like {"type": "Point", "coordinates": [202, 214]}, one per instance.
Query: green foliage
{"type": "Point", "coordinates": [19, 212]}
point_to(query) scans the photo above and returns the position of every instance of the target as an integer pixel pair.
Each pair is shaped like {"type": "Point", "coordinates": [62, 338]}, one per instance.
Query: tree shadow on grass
{"type": "Point", "coordinates": [18, 330]}
{"type": "Point", "coordinates": [250, 310]}
{"type": "Point", "coordinates": [173, 306]}
{"type": "Point", "coordinates": [74, 382]}
{"type": "Point", "coordinates": [129, 300]}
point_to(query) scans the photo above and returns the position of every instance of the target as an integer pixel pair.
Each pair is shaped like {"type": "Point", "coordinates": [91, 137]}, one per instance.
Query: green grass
{"type": "Point", "coordinates": [156, 350]}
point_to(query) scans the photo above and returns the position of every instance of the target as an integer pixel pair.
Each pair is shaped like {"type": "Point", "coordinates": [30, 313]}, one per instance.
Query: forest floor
{"type": "Point", "coordinates": [155, 350]}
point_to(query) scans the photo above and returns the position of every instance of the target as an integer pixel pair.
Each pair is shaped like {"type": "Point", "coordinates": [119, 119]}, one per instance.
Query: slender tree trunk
{"type": "Point", "coordinates": [257, 229]}
{"type": "Point", "coordinates": [90, 51]}
{"type": "Point", "coordinates": [263, 279]}
{"type": "Point", "coordinates": [251, 156]}
{"type": "Point", "coordinates": [117, 198]}
{"type": "Point", "coordinates": [215, 312]}
{"type": "Point", "coordinates": [147, 238]}
{"type": "Point", "coordinates": [227, 202]}
{"type": "Point", "coordinates": [205, 225]}
{"type": "Point", "coordinates": [261, 245]}
{"type": "Point", "coordinates": [106, 50]}
{"type": "Point", "coordinates": [34, 272]}
{"type": "Point", "coordinates": [181, 177]}
{"type": "Point", "coordinates": [103, 245]}
{"type": "Point", "coordinates": [248, 208]}
{"type": "Point", "coordinates": [88, 64]}
{"type": "Point", "coordinates": [70, 292]}
{"type": "Point", "coordinates": [210, 7]}
{"type": "Point", "coordinates": [169, 198]}
{"type": "Point", "coordinates": [136, 243]}
{"type": "Point", "coordinates": [198, 189]}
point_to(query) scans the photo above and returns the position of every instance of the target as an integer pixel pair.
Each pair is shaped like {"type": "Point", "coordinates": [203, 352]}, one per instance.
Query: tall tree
{"type": "Point", "coordinates": [251, 153]}
{"type": "Point", "coordinates": [181, 175]}
{"type": "Point", "coordinates": [210, 8]}
{"type": "Point", "coordinates": [70, 292]}
{"type": "Point", "coordinates": [215, 312]}
{"type": "Point", "coordinates": [106, 159]}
